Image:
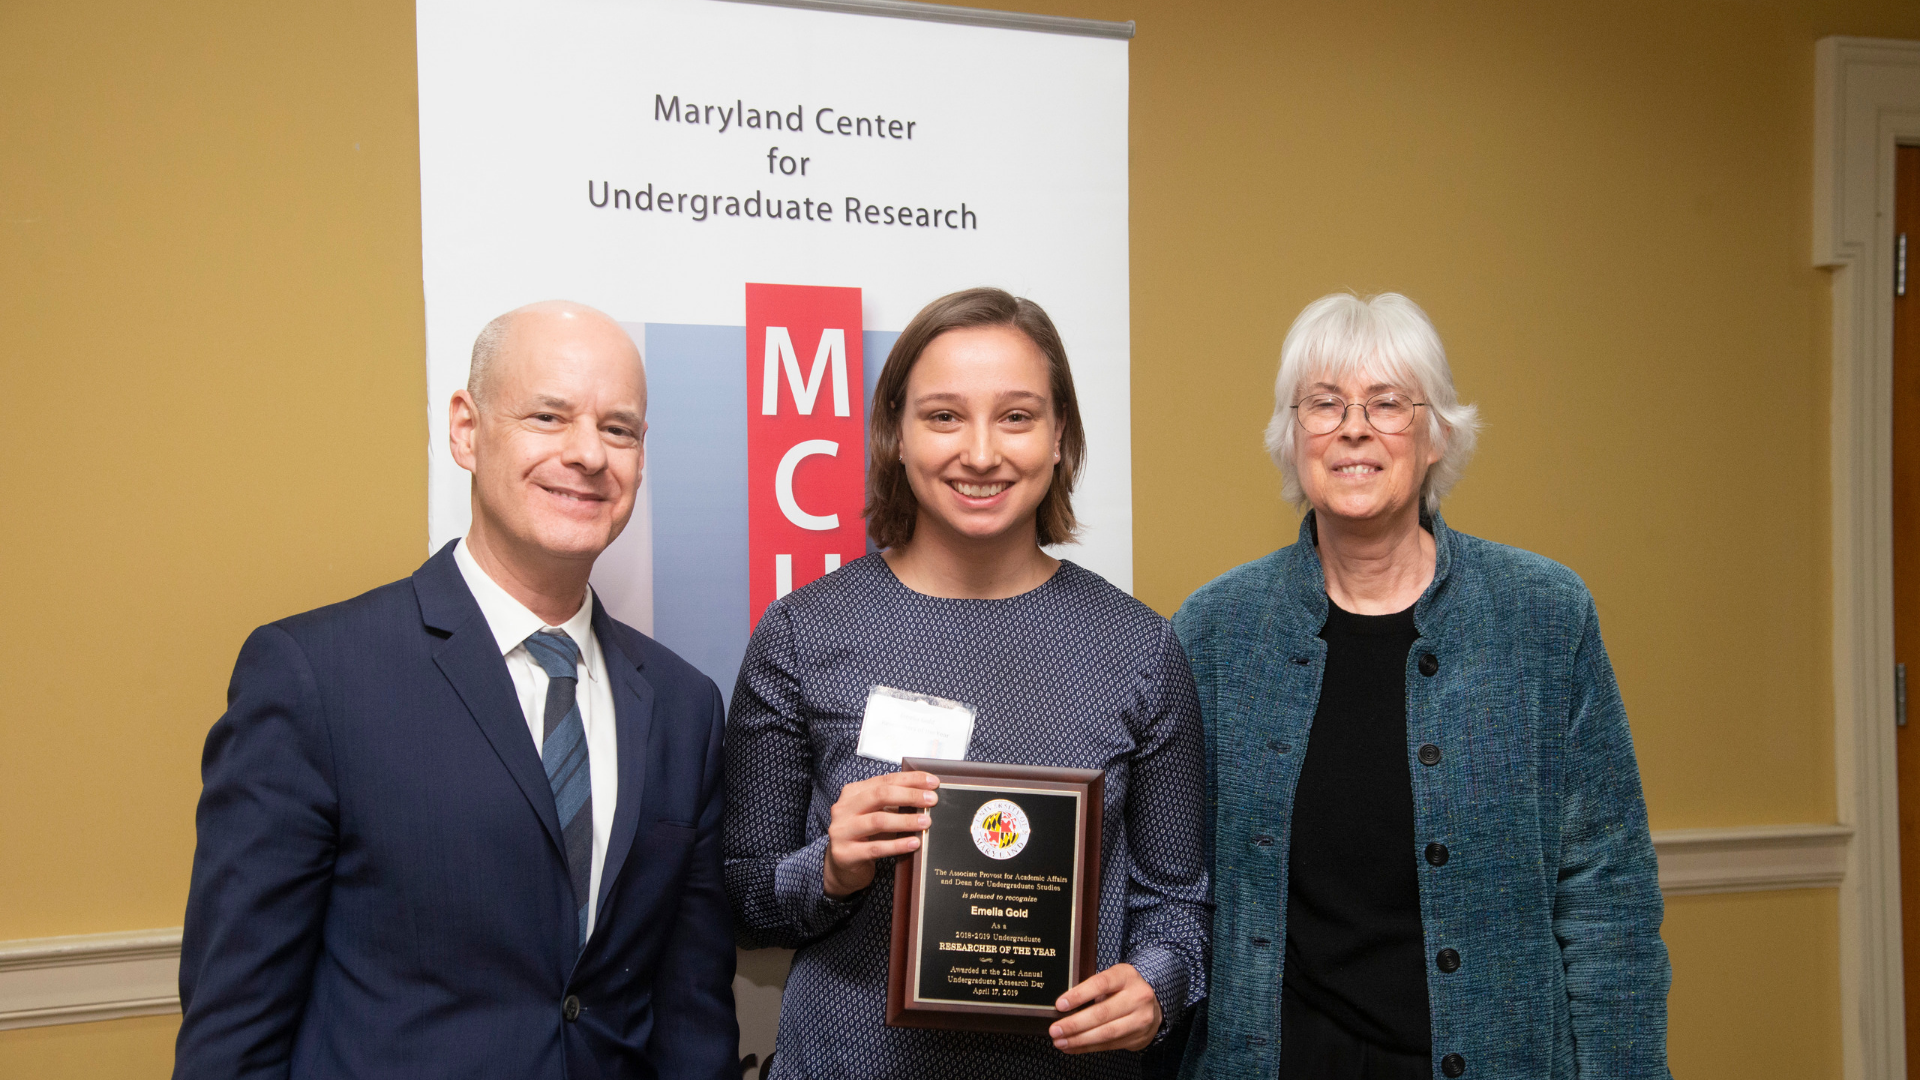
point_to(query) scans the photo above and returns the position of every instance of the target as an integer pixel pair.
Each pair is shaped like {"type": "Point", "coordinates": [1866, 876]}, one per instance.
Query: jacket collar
{"type": "Point", "coordinates": [446, 604]}
{"type": "Point", "coordinates": [1302, 592]}
{"type": "Point", "coordinates": [470, 658]}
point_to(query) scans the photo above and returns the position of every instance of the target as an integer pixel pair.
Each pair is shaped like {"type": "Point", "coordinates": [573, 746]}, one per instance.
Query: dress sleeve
{"type": "Point", "coordinates": [1607, 906]}
{"type": "Point", "coordinates": [775, 872]}
{"type": "Point", "coordinates": [1168, 904]}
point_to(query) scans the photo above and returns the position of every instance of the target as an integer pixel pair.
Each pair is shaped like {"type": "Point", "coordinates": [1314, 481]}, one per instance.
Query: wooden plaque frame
{"type": "Point", "coordinates": [904, 1008]}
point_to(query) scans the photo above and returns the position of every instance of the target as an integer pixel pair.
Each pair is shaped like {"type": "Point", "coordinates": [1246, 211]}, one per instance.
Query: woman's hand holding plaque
{"type": "Point", "coordinates": [1117, 1011]}
{"type": "Point", "coordinates": [868, 824]}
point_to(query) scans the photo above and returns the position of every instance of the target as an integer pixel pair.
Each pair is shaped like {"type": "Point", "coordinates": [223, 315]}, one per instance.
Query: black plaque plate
{"type": "Point", "coordinates": [995, 916]}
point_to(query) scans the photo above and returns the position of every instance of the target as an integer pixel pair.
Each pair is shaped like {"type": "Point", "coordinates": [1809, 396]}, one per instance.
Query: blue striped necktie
{"type": "Point", "coordinates": [563, 750]}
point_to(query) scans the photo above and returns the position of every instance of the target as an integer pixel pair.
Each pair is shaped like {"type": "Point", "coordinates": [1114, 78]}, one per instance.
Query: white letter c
{"type": "Point", "coordinates": [783, 485]}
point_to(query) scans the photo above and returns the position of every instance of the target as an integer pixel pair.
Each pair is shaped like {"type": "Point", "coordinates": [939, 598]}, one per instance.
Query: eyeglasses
{"type": "Point", "coordinates": [1388, 414]}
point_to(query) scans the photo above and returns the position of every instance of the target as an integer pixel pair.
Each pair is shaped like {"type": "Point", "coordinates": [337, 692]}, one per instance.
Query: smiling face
{"type": "Point", "coordinates": [979, 432]}
{"type": "Point", "coordinates": [555, 443]}
{"type": "Point", "coordinates": [1354, 473]}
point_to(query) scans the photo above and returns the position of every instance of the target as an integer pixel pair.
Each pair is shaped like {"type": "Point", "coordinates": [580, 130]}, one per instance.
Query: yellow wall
{"type": "Point", "coordinates": [210, 321]}
{"type": "Point", "coordinates": [1755, 991]}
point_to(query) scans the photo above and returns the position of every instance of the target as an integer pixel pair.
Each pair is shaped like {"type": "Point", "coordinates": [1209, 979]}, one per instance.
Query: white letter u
{"type": "Point", "coordinates": [783, 485]}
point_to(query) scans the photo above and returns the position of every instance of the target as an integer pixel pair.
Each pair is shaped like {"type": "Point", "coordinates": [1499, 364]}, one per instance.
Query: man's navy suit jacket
{"type": "Point", "coordinates": [379, 888]}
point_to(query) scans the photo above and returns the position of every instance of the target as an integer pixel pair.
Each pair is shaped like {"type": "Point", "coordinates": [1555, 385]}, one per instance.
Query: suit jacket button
{"type": "Point", "coordinates": [1429, 754]}
{"type": "Point", "coordinates": [1429, 664]}
{"type": "Point", "coordinates": [1437, 853]}
{"type": "Point", "coordinates": [1453, 1065]}
{"type": "Point", "coordinates": [1447, 960]}
{"type": "Point", "coordinates": [570, 1008]}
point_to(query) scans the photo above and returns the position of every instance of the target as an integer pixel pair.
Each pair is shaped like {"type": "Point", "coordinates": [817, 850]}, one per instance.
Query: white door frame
{"type": "Point", "coordinates": [1867, 95]}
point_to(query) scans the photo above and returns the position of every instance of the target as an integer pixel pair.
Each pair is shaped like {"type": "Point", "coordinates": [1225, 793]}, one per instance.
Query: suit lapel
{"type": "Point", "coordinates": [633, 717]}
{"type": "Point", "coordinates": [470, 659]}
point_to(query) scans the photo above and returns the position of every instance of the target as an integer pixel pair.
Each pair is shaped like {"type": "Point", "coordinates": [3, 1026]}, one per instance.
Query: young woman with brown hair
{"type": "Point", "coordinates": [974, 446]}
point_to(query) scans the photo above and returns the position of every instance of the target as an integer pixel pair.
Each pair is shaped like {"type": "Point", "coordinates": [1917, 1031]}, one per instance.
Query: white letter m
{"type": "Point", "coordinates": [831, 353]}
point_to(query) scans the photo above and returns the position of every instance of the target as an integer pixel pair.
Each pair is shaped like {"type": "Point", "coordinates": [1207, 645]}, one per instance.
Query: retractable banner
{"type": "Point", "coordinates": [764, 196]}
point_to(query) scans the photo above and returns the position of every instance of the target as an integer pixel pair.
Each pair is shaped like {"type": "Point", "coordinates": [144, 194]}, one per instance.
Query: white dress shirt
{"type": "Point", "coordinates": [511, 624]}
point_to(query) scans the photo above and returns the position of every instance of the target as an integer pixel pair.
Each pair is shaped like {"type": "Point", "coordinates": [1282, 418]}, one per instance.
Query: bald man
{"type": "Point", "coordinates": [466, 825]}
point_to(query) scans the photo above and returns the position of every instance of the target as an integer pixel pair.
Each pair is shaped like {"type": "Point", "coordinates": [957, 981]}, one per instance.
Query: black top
{"type": "Point", "coordinates": [1355, 949]}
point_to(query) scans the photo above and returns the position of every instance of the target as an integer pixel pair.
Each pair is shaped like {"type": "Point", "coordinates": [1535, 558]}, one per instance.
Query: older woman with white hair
{"type": "Point", "coordinates": [1428, 842]}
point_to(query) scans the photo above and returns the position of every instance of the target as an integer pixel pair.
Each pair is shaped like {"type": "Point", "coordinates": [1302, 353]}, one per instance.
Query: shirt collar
{"type": "Point", "coordinates": [510, 620]}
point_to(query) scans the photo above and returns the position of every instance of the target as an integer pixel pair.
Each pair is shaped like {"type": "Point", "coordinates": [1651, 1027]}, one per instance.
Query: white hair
{"type": "Point", "coordinates": [1385, 337]}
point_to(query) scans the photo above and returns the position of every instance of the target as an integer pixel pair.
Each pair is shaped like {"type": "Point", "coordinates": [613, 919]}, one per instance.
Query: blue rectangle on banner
{"type": "Point", "coordinates": [696, 473]}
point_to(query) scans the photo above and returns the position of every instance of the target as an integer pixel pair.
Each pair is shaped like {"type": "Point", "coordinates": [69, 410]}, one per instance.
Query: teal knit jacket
{"type": "Point", "coordinates": [1522, 767]}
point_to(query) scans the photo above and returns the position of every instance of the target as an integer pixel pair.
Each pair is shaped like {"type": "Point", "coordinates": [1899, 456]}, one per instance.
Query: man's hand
{"type": "Point", "coordinates": [1119, 1013]}
{"type": "Point", "coordinates": [866, 827]}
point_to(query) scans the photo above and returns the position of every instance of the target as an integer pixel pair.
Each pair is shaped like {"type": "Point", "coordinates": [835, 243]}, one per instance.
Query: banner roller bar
{"type": "Point", "coordinates": [947, 13]}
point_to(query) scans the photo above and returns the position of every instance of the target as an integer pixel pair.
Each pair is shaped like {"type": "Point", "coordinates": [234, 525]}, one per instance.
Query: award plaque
{"type": "Point", "coordinates": [996, 913]}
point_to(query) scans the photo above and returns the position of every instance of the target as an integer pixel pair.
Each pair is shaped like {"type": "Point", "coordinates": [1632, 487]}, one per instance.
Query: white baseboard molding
{"type": "Point", "coordinates": [72, 980]}
{"type": "Point", "coordinates": [1751, 858]}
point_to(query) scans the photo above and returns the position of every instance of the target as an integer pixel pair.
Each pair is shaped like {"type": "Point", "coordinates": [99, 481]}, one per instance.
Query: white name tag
{"type": "Point", "coordinates": [901, 724]}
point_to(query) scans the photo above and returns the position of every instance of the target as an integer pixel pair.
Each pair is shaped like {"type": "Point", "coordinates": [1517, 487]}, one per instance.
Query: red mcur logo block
{"type": "Point", "coordinates": [806, 437]}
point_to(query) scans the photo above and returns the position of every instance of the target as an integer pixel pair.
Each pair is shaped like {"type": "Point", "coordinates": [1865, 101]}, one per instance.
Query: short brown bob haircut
{"type": "Point", "coordinates": [892, 511]}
